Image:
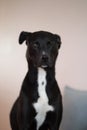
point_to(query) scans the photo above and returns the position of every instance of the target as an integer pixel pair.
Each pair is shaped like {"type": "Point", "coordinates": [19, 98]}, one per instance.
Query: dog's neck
{"type": "Point", "coordinates": [33, 71]}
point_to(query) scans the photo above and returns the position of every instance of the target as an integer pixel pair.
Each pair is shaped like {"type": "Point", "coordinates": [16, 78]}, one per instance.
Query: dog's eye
{"type": "Point", "coordinates": [49, 44]}
{"type": "Point", "coordinates": [36, 45]}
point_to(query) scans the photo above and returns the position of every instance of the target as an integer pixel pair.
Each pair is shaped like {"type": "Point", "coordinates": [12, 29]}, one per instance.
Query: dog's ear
{"type": "Point", "coordinates": [58, 39]}
{"type": "Point", "coordinates": [24, 36]}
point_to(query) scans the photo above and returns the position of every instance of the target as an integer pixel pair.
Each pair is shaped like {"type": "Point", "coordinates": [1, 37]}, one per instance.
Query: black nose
{"type": "Point", "coordinates": [44, 58]}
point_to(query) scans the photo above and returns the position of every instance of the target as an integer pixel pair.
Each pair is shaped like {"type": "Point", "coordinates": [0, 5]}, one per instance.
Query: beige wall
{"type": "Point", "coordinates": [66, 18]}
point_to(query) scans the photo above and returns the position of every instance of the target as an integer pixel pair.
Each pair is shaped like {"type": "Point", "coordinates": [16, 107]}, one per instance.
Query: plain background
{"type": "Point", "coordinates": [68, 18]}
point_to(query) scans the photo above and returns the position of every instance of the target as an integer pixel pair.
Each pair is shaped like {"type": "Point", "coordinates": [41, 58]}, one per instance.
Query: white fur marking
{"type": "Point", "coordinates": [42, 106]}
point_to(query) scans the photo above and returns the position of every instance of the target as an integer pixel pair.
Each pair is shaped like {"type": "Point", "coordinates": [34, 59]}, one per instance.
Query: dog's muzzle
{"type": "Point", "coordinates": [44, 61]}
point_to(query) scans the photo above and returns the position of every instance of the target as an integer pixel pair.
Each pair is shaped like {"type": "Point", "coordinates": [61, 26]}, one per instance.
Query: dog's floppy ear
{"type": "Point", "coordinates": [58, 39]}
{"type": "Point", "coordinates": [24, 36]}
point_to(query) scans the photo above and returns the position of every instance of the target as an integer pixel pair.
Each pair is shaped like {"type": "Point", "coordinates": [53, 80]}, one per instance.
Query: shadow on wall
{"type": "Point", "coordinates": [75, 110]}
{"type": "Point", "coordinates": [4, 113]}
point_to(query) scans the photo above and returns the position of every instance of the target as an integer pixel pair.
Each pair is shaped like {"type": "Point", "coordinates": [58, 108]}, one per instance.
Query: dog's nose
{"type": "Point", "coordinates": [44, 58]}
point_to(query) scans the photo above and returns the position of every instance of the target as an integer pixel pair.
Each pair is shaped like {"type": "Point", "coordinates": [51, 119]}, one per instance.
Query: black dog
{"type": "Point", "coordinates": [39, 105]}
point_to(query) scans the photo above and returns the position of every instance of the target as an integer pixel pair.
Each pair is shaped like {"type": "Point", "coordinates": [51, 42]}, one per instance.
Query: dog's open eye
{"type": "Point", "coordinates": [36, 45]}
{"type": "Point", "coordinates": [49, 44]}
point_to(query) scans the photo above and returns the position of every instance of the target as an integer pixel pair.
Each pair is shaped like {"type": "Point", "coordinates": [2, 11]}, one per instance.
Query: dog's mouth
{"type": "Point", "coordinates": [44, 61]}
{"type": "Point", "coordinates": [45, 64]}
{"type": "Point", "coordinates": [41, 63]}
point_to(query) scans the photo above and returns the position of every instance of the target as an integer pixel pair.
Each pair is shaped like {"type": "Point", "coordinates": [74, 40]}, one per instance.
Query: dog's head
{"type": "Point", "coordinates": [42, 47]}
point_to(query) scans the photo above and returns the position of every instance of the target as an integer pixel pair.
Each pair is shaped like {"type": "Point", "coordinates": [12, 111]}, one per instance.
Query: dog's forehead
{"type": "Point", "coordinates": [42, 35]}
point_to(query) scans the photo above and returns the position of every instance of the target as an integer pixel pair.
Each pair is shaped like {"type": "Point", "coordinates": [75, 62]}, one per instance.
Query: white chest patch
{"type": "Point", "coordinates": [42, 106]}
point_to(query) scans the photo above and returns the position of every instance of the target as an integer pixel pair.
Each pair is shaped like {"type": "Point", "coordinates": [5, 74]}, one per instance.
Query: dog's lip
{"type": "Point", "coordinates": [44, 66]}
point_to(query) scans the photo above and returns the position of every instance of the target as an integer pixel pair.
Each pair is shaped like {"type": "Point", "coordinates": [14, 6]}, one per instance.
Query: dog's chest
{"type": "Point", "coordinates": [42, 106]}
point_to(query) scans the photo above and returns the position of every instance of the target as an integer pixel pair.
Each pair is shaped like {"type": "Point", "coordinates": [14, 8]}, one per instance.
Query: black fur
{"type": "Point", "coordinates": [22, 116]}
